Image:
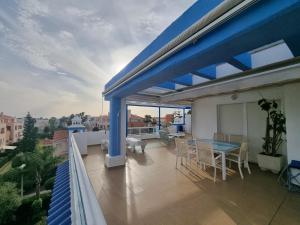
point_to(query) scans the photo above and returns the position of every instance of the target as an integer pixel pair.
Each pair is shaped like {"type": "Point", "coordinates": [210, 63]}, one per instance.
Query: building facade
{"type": "Point", "coordinates": [13, 130]}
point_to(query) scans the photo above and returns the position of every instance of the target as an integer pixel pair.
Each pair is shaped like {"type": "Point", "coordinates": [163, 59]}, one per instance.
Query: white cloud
{"type": "Point", "coordinates": [67, 50]}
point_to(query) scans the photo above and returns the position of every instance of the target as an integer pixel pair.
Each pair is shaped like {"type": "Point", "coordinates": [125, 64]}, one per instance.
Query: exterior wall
{"type": "Point", "coordinates": [61, 147]}
{"type": "Point", "coordinates": [41, 123]}
{"type": "Point", "coordinates": [14, 129]}
{"type": "Point", "coordinates": [292, 111]}
{"type": "Point", "coordinates": [85, 139]}
{"type": "Point", "coordinates": [205, 113]}
{"type": "Point", "coordinates": [2, 134]}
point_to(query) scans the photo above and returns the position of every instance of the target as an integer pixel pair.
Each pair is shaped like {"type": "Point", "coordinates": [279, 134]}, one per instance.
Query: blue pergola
{"type": "Point", "coordinates": [230, 31]}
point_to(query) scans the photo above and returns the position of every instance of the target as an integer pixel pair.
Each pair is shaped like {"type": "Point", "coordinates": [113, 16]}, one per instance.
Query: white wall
{"type": "Point", "coordinates": [205, 113]}
{"type": "Point", "coordinates": [292, 112]}
{"type": "Point", "coordinates": [90, 138]}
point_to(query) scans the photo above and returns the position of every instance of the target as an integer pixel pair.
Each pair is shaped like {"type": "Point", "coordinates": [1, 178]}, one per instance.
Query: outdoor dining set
{"type": "Point", "coordinates": [213, 152]}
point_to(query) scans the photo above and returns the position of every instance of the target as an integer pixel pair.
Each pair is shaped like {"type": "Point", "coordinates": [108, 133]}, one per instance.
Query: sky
{"type": "Point", "coordinates": [57, 55]}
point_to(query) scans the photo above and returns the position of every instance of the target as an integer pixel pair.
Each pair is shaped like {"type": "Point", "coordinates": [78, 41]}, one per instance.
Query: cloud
{"type": "Point", "coordinates": [58, 54]}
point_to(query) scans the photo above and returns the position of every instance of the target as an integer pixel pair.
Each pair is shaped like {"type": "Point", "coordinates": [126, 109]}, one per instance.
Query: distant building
{"type": "Point", "coordinates": [41, 123]}
{"type": "Point", "coordinates": [2, 134]}
{"type": "Point", "coordinates": [104, 122]}
{"type": "Point", "coordinates": [59, 142]}
{"type": "Point", "coordinates": [91, 122]}
{"type": "Point", "coordinates": [135, 120]}
{"type": "Point", "coordinates": [13, 129]}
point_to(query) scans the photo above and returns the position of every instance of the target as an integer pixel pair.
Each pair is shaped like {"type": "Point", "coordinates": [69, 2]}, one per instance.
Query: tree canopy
{"type": "Point", "coordinates": [9, 202]}
{"type": "Point", "coordinates": [29, 140]}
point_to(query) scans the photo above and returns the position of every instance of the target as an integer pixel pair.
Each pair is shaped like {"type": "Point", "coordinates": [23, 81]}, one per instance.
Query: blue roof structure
{"type": "Point", "coordinates": [59, 212]}
{"type": "Point", "coordinates": [262, 23]}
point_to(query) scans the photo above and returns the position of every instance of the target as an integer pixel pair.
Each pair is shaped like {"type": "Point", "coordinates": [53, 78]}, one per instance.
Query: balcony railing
{"type": "Point", "coordinates": [143, 132]}
{"type": "Point", "coordinates": [84, 205]}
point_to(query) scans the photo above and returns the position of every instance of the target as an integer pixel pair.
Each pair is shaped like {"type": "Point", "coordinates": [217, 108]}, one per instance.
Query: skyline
{"type": "Point", "coordinates": [49, 64]}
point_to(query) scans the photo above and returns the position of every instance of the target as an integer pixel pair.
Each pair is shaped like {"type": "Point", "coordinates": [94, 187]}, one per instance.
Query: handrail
{"type": "Point", "coordinates": [85, 207]}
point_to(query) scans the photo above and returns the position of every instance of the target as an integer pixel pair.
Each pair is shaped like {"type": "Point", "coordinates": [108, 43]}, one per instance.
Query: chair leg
{"type": "Point", "coordinates": [215, 174]}
{"type": "Point", "coordinates": [176, 161]}
{"type": "Point", "coordinates": [229, 164]}
{"type": "Point", "coordinates": [240, 169]}
{"type": "Point", "coordinates": [248, 167]}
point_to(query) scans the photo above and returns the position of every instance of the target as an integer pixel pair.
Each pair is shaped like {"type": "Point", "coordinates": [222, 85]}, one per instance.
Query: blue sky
{"type": "Point", "coordinates": [56, 55]}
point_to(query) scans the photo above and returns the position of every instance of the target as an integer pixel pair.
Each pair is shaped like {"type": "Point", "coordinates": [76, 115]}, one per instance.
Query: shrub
{"type": "Point", "coordinates": [37, 206]}
{"type": "Point", "coordinates": [43, 221]}
{"type": "Point", "coordinates": [12, 175]}
{"type": "Point", "coordinates": [25, 214]}
{"type": "Point", "coordinates": [18, 160]}
{"type": "Point", "coordinates": [9, 202]}
{"type": "Point", "coordinates": [49, 183]}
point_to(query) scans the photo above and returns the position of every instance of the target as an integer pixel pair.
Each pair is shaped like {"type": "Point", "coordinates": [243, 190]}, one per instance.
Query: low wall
{"type": "Point", "coordinates": [83, 140]}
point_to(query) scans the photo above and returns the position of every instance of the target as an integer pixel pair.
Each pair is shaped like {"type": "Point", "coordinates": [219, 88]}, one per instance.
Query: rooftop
{"type": "Point", "coordinates": [149, 190]}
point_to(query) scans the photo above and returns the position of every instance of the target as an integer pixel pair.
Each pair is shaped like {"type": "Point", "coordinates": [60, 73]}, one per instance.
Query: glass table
{"type": "Point", "coordinates": [222, 148]}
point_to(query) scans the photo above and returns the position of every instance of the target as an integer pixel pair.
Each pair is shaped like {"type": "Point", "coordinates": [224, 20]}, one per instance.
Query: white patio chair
{"type": "Point", "coordinates": [183, 150]}
{"type": "Point", "coordinates": [219, 137]}
{"type": "Point", "coordinates": [206, 157]}
{"type": "Point", "coordinates": [233, 138]}
{"type": "Point", "coordinates": [240, 158]}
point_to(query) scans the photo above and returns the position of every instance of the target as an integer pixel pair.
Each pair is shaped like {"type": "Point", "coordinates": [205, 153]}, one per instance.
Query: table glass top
{"type": "Point", "coordinates": [219, 145]}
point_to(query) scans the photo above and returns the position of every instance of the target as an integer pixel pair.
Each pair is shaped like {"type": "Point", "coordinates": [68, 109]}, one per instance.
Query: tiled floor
{"type": "Point", "coordinates": [149, 190]}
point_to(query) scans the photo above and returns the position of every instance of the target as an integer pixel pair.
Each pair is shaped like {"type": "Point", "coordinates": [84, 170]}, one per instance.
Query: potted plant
{"type": "Point", "coordinates": [270, 159]}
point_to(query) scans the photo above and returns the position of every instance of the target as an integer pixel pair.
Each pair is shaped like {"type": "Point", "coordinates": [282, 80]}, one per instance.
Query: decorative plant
{"type": "Point", "coordinates": [275, 126]}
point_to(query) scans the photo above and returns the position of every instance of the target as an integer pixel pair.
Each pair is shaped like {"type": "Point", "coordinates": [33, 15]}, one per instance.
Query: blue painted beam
{"type": "Point", "coordinates": [241, 61]}
{"type": "Point", "coordinates": [189, 17]}
{"type": "Point", "coordinates": [209, 72]}
{"type": "Point", "coordinates": [263, 23]}
{"type": "Point", "coordinates": [186, 80]}
{"type": "Point", "coordinates": [167, 85]}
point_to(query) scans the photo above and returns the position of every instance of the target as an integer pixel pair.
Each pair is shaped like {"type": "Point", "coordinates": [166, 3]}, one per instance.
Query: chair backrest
{"type": "Point", "coordinates": [205, 153]}
{"type": "Point", "coordinates": [233, 138]}
{"type": "Point", "coordinates": [243, 151]}
{"type": "Point", "coordinates": [219, 137]}
{"type": "Point", "coordinates": [181, 146]}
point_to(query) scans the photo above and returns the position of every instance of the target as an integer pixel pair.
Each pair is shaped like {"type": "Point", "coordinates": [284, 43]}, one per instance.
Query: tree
{"type": "Point", "coordinates": [63, 121]}
{"type": "Point", "coordinates": [147, 119]}
{"type": "Point", "coordinates": [83, 116]}
{"type": "Point", "coordinates": [9, 202]}
{"type": "Point", "coordinates": [46, 130]}
{"type": "Point", "coordinates": [29, 140]}
{"type": "Point", "coordinates": [42, 163]}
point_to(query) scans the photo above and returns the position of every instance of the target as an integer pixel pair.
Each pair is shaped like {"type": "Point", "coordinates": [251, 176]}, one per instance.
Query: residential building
{"type": "Point", "coordinates": [135, 120]}
{"type": "Point", "coordinates": [104, 122]}
{"type": "Point", "coordinates": [14, 129]}
{"type": "Point", "coordinates": [92, 122]}
{"type": "Point", "coordinates": [41, 123]}
{"type": "Point", "coordinates": [59, 142]}
{"type": "Point", "coordinates": [2, 134]}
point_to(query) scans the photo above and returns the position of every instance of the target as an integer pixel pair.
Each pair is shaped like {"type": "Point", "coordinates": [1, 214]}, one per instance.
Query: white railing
{"type": "Point", "coordinates": [85, 207]}
{"type": "Point", "coordinates": [143, 132]}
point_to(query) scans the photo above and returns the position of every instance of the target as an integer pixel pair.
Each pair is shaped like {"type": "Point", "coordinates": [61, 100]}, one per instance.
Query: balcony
{"type": "Point", "coordinates": [149, 190]}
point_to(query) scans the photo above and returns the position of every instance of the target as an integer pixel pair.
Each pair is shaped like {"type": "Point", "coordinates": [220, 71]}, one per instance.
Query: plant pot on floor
{"type": "Point", "coordinates": [267, 162]}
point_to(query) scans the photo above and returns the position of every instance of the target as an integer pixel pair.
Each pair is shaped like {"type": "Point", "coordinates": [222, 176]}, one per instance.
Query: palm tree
{"type": "Point", "coordinates": [41, 162]}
